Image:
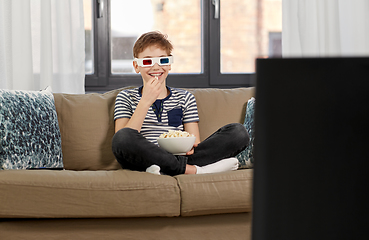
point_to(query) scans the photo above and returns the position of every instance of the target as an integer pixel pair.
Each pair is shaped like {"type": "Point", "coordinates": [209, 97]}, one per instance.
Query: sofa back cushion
{"type": "Point", "coordinates": [87, 128]}
{"type": "Point", "coordinates": [218, 107]}
{"type": "Point", "coordinates": [87, 122]}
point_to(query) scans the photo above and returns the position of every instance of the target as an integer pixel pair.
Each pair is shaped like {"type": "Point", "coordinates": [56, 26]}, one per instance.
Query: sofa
{"type": "Point", "coordinates": [93, 198]}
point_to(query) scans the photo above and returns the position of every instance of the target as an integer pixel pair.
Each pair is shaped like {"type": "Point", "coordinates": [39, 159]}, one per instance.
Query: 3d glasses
{"type": "Point", "coordinates": [148, 62]}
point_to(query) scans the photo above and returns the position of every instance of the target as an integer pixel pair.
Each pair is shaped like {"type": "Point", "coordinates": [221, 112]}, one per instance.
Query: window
{"type": "Point", "coordinates": [182, 27]}
{"type": "Point", "coordinates": [209, 50]}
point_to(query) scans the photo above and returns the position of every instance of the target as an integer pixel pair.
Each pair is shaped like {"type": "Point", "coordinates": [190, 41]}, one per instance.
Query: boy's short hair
{"type": "Point", "coordinates": [152, 39]}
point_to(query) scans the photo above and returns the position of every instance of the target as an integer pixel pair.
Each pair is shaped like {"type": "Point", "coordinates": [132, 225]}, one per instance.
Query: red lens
{"type": "Point", "coordinates": [147, 62]}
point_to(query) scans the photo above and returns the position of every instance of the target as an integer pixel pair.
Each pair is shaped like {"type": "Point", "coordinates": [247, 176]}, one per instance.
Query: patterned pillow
{"type": "Point", "coordinates": [29, 130]}
{"type": "Point", "coordinates": [246, 157]}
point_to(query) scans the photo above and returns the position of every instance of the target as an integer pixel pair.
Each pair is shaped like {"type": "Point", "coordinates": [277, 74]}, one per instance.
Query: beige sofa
{"type": "Point", "coordinates": [93, 198]}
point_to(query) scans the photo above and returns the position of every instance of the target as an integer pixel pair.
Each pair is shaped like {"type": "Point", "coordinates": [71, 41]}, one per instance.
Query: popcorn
{"type": "Point", "coordinates": [175, 133]}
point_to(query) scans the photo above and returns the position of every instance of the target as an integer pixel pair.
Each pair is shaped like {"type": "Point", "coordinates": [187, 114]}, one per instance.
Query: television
{"type": "Point", "coordinates": [311, 149]}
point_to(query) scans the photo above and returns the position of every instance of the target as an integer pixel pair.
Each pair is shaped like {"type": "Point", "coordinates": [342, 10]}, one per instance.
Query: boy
{"type": "Point", "coordinates": [143, 113]}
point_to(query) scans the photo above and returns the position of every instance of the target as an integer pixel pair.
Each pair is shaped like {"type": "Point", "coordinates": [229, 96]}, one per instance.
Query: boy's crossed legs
{"type": "Point", "coordinates": [215, 154]}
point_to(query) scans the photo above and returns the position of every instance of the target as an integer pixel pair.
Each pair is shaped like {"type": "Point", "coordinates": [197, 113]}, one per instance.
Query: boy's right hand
{"type": "Point", "coordinates": [152, 90]}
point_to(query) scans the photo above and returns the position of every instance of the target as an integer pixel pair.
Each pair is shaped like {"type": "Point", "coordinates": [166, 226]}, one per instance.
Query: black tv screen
{"type": "Point", "coordinates": [311, 149]}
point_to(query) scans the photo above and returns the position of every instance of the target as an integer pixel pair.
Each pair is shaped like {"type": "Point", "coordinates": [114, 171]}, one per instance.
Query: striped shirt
{"type": "Point", "coordinates": [177, 108]}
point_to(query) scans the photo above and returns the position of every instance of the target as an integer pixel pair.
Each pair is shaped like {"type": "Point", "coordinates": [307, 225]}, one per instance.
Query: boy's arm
{"type": "Point", "coordinates": [137, 119]}
{"type": "Point", "coordinates": [120, 123]}
{"type": "Point", "coordinates": [150, 93]}
{"type": "Point", "coordinates": [193, 128]}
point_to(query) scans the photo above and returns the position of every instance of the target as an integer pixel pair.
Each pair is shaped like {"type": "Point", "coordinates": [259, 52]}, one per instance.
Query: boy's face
{"type": "Point", "coordinates": [148, 73]}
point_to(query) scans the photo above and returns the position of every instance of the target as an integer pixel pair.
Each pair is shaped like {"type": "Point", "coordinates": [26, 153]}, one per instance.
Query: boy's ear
{"type": "Point", "coordinates": [135, 66]}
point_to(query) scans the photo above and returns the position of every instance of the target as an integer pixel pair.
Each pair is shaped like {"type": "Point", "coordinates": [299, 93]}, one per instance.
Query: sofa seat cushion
{"type": "Point", "coordinates": [87, 194]}
{"type": "Point", "coordinates": [228, 192]}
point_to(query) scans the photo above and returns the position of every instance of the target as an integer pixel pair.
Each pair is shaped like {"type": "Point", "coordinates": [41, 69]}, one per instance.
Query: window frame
{"type": "Point", "coordinates": [216, 77]}
{"type": "Point", "coordinates": [103, 80]}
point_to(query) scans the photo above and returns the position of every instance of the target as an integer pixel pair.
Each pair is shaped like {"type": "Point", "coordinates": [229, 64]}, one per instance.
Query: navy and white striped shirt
{"type": "Point", "coordinates": [178, 107]}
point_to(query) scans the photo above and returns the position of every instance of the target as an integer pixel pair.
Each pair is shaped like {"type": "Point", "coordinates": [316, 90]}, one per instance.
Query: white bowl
{"type": "Point", "coordinates": [177, 145]}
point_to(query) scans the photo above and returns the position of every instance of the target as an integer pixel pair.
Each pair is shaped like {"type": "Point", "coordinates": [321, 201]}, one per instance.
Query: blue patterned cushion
{"type": "Point", "coordinates": [29, 130]}
{"type": "Point", "coordinates": [246, 157]}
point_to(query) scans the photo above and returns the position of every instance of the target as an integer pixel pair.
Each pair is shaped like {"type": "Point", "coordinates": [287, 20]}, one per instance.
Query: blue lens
{"type": "Point", "coordinates": [164, 60]}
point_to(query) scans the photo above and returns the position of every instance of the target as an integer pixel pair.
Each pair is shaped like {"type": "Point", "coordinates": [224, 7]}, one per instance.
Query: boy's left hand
{"type": "Point", "coordinates": [192, 150]}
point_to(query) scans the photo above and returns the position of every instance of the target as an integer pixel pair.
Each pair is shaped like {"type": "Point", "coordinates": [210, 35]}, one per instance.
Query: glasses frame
{"type": "Point", "coordinates": [157, 60]}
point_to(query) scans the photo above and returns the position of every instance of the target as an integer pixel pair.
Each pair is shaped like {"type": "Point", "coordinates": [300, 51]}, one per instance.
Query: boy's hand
{"type": "Point", "coordinates": [152, 90]}
{"type": "Point", "coordinates": [192, 150]}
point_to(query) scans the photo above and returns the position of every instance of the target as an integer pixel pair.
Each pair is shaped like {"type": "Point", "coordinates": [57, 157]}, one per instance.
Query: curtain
{"type": "Point", "coordinates": [42, 44]}
{"type": "Point", "coordinates": [325, 28]}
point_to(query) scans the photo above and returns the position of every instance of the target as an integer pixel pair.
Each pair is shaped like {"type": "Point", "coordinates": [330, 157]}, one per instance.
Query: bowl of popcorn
{"type": "Point", "coordinates": [176, 142]}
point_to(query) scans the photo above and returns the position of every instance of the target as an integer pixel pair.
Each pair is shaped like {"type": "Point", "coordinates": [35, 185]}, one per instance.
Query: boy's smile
{"type": "Point", "coordinates": [158, 74]}
{"type": "Point", "coordinates": [149, 73]}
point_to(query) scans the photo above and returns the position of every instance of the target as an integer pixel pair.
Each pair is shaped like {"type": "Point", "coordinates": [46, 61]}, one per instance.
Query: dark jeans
{"type": "Point", "coordinates": [135, 152]}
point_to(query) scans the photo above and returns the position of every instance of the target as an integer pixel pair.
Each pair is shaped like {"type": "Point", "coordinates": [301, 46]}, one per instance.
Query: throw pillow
{"type": "Point", "coordinates": [29, 130]}
{"type": "Point", "coordinates": [246, 157]}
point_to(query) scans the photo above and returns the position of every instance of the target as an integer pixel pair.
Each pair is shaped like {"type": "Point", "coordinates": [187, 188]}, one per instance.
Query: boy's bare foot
{"type": "Point", "coordinates": [190, 169]}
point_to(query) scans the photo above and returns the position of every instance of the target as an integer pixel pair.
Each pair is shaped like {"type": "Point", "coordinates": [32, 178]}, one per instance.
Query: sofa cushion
{"type": "Point", "coordinates": [87, 128]}
{"type": "Point", "coordinates": [228, 192]}
{"type": "Point", "coordinates": [29, 130]}
{"type": "Point", "coordinates": [87, 194]}
{"type": "Point", "coordinates": [218, 107]}
{"type": "Point", "coordinates": [246, 157]}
